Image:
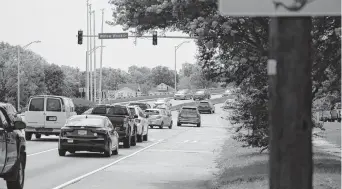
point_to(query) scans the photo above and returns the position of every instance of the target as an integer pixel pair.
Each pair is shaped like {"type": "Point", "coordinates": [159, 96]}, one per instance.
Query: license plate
{"type": "Point", "coordinates": [70, 141]}
{"type": "Point", "coordinates": [52, 118]}
{"type": "Point", "coordinates": [82, 132]}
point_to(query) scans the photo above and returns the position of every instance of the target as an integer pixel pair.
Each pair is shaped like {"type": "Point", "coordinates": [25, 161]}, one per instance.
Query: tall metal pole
{"type": "Point", "coordinates": [90, 58]}
{"type": "Point", "coordinates": [175, 69]}
{"type": "Point", "coordinates": [87, 59]}
{"type": "Point", "coordinates": [95, 89]}
{"type": "Point", "coordinates": [100, 84]}
{"type": "Point", "coordinates": [18, 91]}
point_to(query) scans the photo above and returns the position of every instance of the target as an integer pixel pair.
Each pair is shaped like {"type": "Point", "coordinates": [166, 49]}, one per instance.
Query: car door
{"type": "Point", "coordinates": [3, 153]}
{"type": "Point", "coordinates": [35, 115]}
{"type": "Point", "coordinates": [55, 115]}
{"type": "Point", "coordinates": [11, 141]}
{"type": "Point", "coordinates": [111, 132]}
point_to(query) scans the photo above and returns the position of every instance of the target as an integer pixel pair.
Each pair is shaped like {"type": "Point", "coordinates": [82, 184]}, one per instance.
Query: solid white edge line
{"type": "Point", "coordinates": [104, 167]}
{"type": "Point", "coordinates": [41, 152]}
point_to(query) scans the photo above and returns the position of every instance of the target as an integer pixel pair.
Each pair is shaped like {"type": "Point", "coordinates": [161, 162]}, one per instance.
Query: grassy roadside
{"type": "Point", "coordinates": [242, 168]}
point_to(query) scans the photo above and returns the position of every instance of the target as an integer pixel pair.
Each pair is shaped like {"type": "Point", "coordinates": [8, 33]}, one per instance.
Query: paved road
{"type": "Point", "coordinates": [170, 156]}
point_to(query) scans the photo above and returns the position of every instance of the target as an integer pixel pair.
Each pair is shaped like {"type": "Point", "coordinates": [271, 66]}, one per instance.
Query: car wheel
{"type": "Point", "coordinates": [170, 127]}
{"type": "Point", "coordinates": [134, 138]}
{"type": "Point", "coordinates": [108, 150]}
{"type": "Point", "coordinates": [198, 124]}
{"type": "Point", "coordinates": [72, 151]}
{"type": "Point", "coordinates": [28, 136]}
{"type": "Point", "coordinates": [61, 152]}
{"type": "Point", "coordinates": [116, 151]}
{"type": "Point", "coordinates": [151, 126]}
{"type": "Point", "coordinates": [18, 183]}
{"type": "Point", "coordinates": [38, 136]}
{"type": "Point", "coordinates": [178, 124]}
{"type": "Point", "coordinates": [140, 138]}
{"type": "Point", "coordinates": [145, 137]}
{"type": "Point", "coordinates": [127, 141]}
{"type": "Point", "coordinates": [161, 125]}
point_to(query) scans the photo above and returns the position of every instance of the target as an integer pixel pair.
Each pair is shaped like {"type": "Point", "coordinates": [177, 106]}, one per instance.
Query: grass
{"type": "Point", "coordinates": [244, 168]}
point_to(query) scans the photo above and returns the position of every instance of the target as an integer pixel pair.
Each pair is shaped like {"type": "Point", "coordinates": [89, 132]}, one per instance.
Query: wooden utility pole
{"type": "Point", "coordinates": [289, 70]}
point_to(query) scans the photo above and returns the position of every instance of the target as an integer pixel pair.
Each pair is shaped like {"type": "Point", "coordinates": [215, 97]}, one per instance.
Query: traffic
{"type": "Point", "coordinates": [100, 129]}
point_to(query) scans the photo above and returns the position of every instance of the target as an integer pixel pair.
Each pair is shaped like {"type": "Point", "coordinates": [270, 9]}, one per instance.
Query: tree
{"type": "Point", "coordinates": [187, 70]}
{"type": "Point", "coordinates": [184, 83]}
{"type": "Point", "coordinates": [72, 81]}
{"type": "Point", "coordinates": [139, 75]}
{"type": "Point", "coordinates": [54, 79]}
{"type": "Point", "coordinates": [162, 74]}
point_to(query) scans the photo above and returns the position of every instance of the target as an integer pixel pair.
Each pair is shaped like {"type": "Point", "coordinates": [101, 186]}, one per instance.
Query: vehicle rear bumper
{"type": "Point", "coordinates": [204, 110]}
{"type": "Point", "coordinates": [92, 145]}
{"type": "Point", "coordinates": [155, 123]}
{"type": "Point", "coordinates": [189, 121]}
{"type": "Point", "coordinates": [42, 130]}
{"type": "Point", "coordinates": [179, 97]}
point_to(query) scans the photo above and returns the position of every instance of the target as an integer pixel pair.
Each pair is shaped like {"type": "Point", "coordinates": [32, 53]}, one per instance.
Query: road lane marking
{"type": "Point", "coordinates": [104, 167]}
{"type": "Point", "coordinates": [41, 152]}
{"type": "Point", "coordinates": [186, 141]}
{"type": "Point", "coordinates": [185, 151]}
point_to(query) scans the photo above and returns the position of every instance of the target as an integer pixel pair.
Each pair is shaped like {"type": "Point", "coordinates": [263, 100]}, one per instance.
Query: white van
{"type": "Point", "coordinates": [47, 114]}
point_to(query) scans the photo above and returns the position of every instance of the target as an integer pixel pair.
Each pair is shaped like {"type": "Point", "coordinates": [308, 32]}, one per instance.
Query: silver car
{"type": "Point", "coordinates": [159, 117]}
{"type": "Point", "coordinates": [163, 101]}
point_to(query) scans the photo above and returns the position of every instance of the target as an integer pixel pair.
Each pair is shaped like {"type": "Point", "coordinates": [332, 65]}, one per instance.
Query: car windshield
{"type": "Point", "coordinates": [100, 110]}
{"type": "Point", "coordinates": [84, 121]}
{"type": "Point", "coordinates": [204, 104]}
{"type": "Point", "coordinates": [188, 112]}
{"type": "Point", "coordinates": [200, 92]}
{"type": "Point", "coordinates": [152, 112]}
{"type": "Point", "coordinates": [141, 105]}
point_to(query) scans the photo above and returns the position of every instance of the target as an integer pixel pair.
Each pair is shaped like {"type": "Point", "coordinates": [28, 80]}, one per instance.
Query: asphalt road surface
{"type": "Point", "coordinates": [181, 157]}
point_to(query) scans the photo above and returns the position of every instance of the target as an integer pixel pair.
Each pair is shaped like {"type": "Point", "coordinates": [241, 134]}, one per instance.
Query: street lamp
{"type": "Point", "coordinates": [176, 48]}
{"type": "Point", "coordinates": [89, 53]}
{"type": "Point", "coordinates": [18, 90]}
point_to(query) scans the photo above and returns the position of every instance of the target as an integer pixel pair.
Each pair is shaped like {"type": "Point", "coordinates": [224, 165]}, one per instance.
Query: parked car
{"type": "Point", "coordinates": [162, 101]}
{"type": "Point", "coordinates": [183, 95]}
{"type": "Point", "coordinates": [202, 95]}
{"type": "Point", "coordinates": [142, 105]}
{"type": "Point", "coordinates": [47, 114]}
{"type": "Point", "coordinates": [206, 106]}
{"type": "Point", "coordinates": [160, 118]}
{"type": "Point", "coordinates": [189, 115]}
{"type": "Point", "coordinates": [122, 120]}
{"type": "Point", "coordinates": [229, 103]}
{"type": "Point", "coordinates": [88, 133]}
{"type": "Point", "coordinates": [12, 149]}
{"type": "Point", "coordinates": [141, 123]}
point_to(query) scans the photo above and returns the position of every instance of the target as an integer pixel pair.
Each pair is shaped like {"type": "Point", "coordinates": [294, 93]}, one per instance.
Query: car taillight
{"type": "Point", "coordinates": [137, 120]}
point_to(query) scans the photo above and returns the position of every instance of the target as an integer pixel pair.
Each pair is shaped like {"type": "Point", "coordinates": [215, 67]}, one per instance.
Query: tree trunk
{"type": "Point", "coordinates": [290, 104]}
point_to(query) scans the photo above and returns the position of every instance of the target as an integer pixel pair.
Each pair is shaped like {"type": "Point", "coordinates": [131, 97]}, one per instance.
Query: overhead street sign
{"type": "Point", "coordinates": [113, 35]}
{"type": "Point", "coordinates": [268, 8]}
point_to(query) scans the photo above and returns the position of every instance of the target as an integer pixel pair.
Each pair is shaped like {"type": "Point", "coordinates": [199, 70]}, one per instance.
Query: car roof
{"type": "Point", "coordinates": [204, 101]}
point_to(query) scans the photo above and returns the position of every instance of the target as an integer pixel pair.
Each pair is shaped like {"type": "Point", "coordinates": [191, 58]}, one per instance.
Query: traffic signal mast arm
{"type": "Point", "coordinates": [167, 37]}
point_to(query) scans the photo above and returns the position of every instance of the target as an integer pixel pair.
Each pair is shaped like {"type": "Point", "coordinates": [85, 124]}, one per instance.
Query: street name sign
{"type": "Point", "coordinates": [113, 35]}
{"type": "Point", "coordinates": [267, 8]}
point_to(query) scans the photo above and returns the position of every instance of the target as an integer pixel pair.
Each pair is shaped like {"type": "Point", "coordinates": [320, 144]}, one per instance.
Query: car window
{"type": "Point", "coordinates": [141, 114]}
{"type": "Point", "coordinates": [3, 120]}
{"type": "Point", "coordinates": [204, 104]}
{"type": "Point", "coordinates": [99, 110]}
{"type": "Point", "coordinates": [188, 112]}
{"type": "Point", "coordinates": [37, 104]}
{"type": "Point", "coordinates": [132, 111]}
{"type": "Point", "coordinates": [118, 110]}
{"type": "Point", "coordinates": [53, 105]}
{"type": "Point", "coordinates": [153, 112]}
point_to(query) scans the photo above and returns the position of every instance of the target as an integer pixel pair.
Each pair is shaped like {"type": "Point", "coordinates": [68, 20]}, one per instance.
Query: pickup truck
{"type": "Point", "coordinates": [122, 120]}
{"type": "Point", "coordinates": [12, 148]}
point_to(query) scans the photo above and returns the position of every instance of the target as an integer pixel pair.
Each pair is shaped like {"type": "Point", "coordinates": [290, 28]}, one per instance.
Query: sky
{"type": "Point", "coordinates": [55, 24]}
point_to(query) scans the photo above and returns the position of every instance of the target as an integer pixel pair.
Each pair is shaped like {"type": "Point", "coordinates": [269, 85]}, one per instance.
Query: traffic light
{"type": "Point", "coordinates": [154, 38]}
{"type": "Point", "coordinates": [80, 37]}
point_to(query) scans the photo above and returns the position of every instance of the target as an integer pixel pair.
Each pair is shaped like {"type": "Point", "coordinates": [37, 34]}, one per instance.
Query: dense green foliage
{"type": "Point", "coordinates": [235, 49]}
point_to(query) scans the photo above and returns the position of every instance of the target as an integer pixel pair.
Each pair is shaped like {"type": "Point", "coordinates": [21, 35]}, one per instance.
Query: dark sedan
{"type": "Point", "coordinates": [206, 106]}
{"type": "Point", "coordinates": [202, 95]}
{"type": "Point", "coordinates": [88, 133]}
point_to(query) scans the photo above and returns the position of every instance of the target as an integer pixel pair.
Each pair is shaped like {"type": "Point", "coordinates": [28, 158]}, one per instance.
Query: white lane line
{"type": "Point", "coordinates": [41, 152]}
{"type": "Point", "coordinates": [185, 141]}
{"type": "Point", "coordinates": [194, 141]}
{"type": "Point", "coordinates": [104, 167]}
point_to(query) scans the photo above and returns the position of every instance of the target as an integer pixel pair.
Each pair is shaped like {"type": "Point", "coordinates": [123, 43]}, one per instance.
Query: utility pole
{"type": "Point", "coordinates": [100, 84]}
{"type": "Point", "coordinates": [289, 71]}
{"type": "Point", "coordinates": [175, 69]}
{"type": "Point", "coordinates": [95, 89]}
{"type": "Point", "coordinates": [90, 58]}
{"type": "Point", "coordinates": [87, 59]}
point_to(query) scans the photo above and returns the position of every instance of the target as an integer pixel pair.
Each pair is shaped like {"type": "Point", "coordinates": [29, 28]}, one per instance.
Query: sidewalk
{"type": "Point", "coordinates": [242, 168]}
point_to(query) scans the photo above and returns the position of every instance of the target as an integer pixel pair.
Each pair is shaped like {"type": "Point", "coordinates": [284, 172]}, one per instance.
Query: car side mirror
{"type": "Point", "coordinates": [135, 116]}
{"type": "Point", "coordinates": [19, 125]}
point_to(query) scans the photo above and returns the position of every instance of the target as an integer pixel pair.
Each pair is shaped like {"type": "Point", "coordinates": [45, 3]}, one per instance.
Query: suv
{"type": "Point", "coordinates": [189, 115]}
{"type": "Point", "coordinates": [12, 149]}
{"type": "Point", "coordinates": [122, 120]}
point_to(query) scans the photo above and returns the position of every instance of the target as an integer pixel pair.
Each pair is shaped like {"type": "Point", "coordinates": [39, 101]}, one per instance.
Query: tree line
{"type": "Point", "coordinates": [37, 76]}
{"type": "Point", "coordinates": [235, 50]}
